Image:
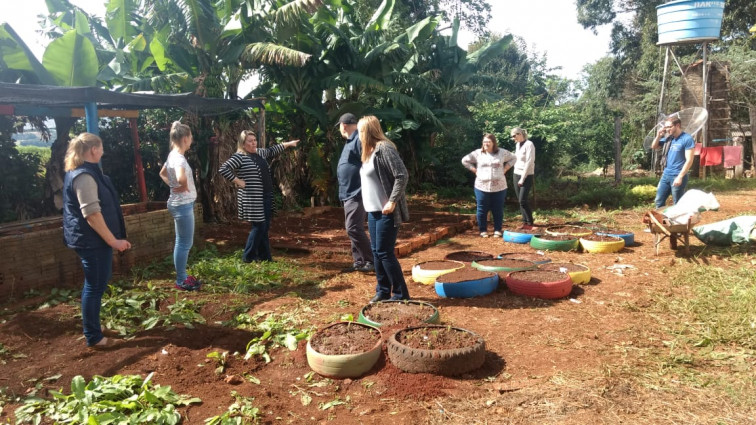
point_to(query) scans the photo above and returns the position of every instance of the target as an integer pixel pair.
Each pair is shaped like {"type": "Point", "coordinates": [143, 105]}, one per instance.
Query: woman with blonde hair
{"type": "Point", "coordinates": [177, 174]}
{"type": "Point", "coordinates": [248, 170]}
{"type": "Point", "coordinates": [384, 178]}
{"type": "Point", "coordinates": [93, 226]}
{"type": "Point", "coordinates": [523, 173]}
{"type": "Point", "coordinates": [489, 164]}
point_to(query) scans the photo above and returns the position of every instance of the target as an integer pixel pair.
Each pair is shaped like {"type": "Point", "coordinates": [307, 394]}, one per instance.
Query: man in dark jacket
{"type": "Point", "coordinates": [348, 173]}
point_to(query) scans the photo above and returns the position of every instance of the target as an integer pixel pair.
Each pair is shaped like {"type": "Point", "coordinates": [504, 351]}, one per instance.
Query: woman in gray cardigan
{"type": "Point", "coordinates": [383, 177]}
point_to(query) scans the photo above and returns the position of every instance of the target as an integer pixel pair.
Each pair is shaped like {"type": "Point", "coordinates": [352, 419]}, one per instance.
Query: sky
{"type": "Point", "coordinates": [547, 26]}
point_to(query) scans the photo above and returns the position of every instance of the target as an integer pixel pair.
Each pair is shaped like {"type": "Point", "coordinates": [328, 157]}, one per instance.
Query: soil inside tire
{"type": "Point", "coordinates": [615, 231]}
{"type": "Point", "coordinates": [536, 258]}
{"type": "Point", "coordinates": [438, 265]}
{"type": "Point", "coordinates": [468, 256]}
{"type": "Point", "coordinates": [557, 237]}
{"type": "Point", "coordinates": [570, 267]}
{"type": "Point", "coordinates": [601, 238]}
{"type": "Point", "coordinates": [436, 338]}
{"type": "Point", "coordinates": [506, 263]}
{"type": "Point", "coordinates": [569, 230]}
{"type": "Point", "coordinates": [533, 231]}
{"type": "Point", "coordinates": [392, 313]}
{"type": "Point", "coordinates": [538, 275]}
{"type": "Point", "coordinates": [345, 338]}
{"type": "Point", "coordinates": [463, 275]}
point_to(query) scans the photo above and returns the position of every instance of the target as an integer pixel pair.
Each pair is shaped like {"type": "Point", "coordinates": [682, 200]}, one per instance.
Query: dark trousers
{"type": "Point", "coordinates": [98, 267]}
{"type": "Point", "coordinates": [490, 201]}
{"type": "Point", "coordinates": [354, 221]}
{"type": "Point", "coordinates": [388, 271]}
{"type": "Point", "coordinates": [522, 193]}
{"type": "Point", "coordinates": [257, 247]}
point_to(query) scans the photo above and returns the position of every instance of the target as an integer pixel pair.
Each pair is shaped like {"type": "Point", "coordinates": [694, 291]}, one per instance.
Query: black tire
{"type": "Point", "coordinates": [440, 362]}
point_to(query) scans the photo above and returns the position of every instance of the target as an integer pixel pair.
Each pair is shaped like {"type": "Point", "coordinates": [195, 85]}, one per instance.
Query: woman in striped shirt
{"type": "Point", "coordinates": [248, 169]}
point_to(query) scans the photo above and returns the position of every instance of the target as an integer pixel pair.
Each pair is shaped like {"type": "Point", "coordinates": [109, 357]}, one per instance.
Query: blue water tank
{"type": "Point", "coordinates": [689, 21]}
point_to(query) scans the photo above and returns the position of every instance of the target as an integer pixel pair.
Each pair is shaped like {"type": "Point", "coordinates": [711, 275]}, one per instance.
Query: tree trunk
{"type": "Point", "coordinates": [752, 115]}
{"type": "Point", "coordinates": [617, 149]}
{"type": "Point", "coordinates": [55, 170]}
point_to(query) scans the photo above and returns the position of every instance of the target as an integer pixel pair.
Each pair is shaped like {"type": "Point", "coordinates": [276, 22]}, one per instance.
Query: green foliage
{"type": "Point", "coordinates": [131, 310]}
{"type": "Point", "coordinates": [241, 412]}
{"type": "Point", "coordinates": [228, 273]}
{"type": "Point", "coordinates": [21, 184]}
{"type": "Point", "coordinates": [276, 330]}
{"type": "Point", "coordinates": [118, 399]}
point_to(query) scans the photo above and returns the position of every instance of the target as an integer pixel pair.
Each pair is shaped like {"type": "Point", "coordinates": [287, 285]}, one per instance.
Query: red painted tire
{"type": "Point", "coordinates": [517, 283]}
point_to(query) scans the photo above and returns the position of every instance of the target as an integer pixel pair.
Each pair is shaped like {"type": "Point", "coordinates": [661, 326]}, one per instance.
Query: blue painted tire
{"type": "Point", "coordinates": [466, 289]}
{"type": "Point", "coordinates": [628, 237]}
{"type": "Point", "coordinates": [516, 237]}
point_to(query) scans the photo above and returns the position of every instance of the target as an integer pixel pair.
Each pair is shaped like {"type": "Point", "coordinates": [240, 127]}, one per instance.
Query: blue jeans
{"type": "Point", "coordinates": [98, 267]}
{"type": "Point", "coordinates": [183, 220]}
{"type": "Point", "coordinates": [522, 193]}
{"type": "Point", "coordinates": [665, 187]}
{"type": "Point", "coordinates": [257, 247]}
{"type": "Point", "coordinates": [490, 201]}
{"type": "Point", "coordinates": [388, 271]}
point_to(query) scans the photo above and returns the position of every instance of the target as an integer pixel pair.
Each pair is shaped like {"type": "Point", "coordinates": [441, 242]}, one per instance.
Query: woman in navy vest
{"type": "Point", "coordinates": [92, 225]}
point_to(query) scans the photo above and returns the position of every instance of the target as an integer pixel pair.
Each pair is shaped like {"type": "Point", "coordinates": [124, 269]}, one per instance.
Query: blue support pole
{"type": "Point", "coordinates": [90, 111]}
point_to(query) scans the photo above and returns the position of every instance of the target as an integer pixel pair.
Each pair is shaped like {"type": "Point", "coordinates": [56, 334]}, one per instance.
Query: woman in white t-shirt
{"type": "Point", "coordinates": [489, 164]}
{"type": "Point", "coordinates": [177, 174]}
{"type": "Point", "coordinates": [523, 173]}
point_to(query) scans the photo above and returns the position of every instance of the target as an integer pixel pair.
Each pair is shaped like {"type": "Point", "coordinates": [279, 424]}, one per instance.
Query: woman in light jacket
{"type": "Point", "coordinates": [489, 164]}
{"type": "Point", "coordinates": [384, 178]}
{"type": "Point", "coordinates": [248, 169]}
{"type": "Point", "coordinates": [523, 173]}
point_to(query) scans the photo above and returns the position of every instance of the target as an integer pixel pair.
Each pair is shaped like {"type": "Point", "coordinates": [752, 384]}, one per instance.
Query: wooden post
{"type": "Point", "coordinates": [752, 116]}
{"type": "Point", "coordinates": [261, 127]}
{"type": "Point", "coordinates": [138, 164]}
{"type": "Point", "coordinates": [617, 149]}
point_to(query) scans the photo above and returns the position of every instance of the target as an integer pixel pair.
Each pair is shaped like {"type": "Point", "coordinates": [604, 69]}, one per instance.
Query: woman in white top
{"type": "Point", "coordinates": [177, 174]}
{"type": "Point", "coordinates": [523, 172]}
{"type": "Point", "coordinates": [489, 164]}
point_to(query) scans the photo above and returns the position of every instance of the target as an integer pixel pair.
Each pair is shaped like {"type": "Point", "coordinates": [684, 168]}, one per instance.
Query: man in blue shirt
{"type": "Point", "coordinates": [677, 158]}
{"type": "Point", "coordinates": [350, 193]}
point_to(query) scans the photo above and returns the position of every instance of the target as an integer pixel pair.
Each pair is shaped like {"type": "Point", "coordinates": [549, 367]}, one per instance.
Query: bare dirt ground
{"type": "Point", "coordinates": [591, 358]}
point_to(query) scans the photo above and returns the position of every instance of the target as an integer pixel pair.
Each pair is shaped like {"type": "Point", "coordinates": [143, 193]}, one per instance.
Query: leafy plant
{"type": "Point", "coordinates": [118, 399]}
{"type": "Point", "coordinates": [276, 331]}
{"type": "Point", "coordinates": [240, 412]}
{"type": "Point", "coordinates": [221, 361]}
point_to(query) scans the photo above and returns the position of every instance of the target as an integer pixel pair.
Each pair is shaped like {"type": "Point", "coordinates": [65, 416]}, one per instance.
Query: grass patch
{"type": "Point", "coordinates": [225, 273]}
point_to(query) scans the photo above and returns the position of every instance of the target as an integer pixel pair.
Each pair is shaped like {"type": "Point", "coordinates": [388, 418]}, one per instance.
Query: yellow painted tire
{"type": "Point", "coordinates": [428, 277]}
{"type": "Point", "coordinates": [598, 247]}
{"type": "Point", "coordinates": [579, 277]}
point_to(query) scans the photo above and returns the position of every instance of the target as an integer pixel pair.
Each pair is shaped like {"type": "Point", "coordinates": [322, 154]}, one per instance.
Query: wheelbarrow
{"type": "Point", "coordinates": [661, 228]}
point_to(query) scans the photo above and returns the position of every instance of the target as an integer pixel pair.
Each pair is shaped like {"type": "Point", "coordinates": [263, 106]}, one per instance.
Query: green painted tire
{"type": "Point", "coordinates": [434, 318]}
{"type": "Point", "coordinates": [344, 365]}
{"type": "Point", "coordinates": [549, 245]}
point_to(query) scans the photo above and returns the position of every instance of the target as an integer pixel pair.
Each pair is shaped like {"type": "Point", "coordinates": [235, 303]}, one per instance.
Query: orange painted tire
{"type": "Point", "coordinates": [517, 283]}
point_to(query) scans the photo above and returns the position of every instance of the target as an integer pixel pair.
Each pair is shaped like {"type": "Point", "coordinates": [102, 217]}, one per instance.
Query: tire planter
{"type": "Point", "coordinates": [344, 365]}
{"type": "Point", "coordinates": [615, 244]}
{"type": "Point", "coordinates": [547, 244]}
{"type": "Point", "coordinates": [525, 283]}
{"type": "Point", "coordinates": [503, 265]}
{"type": "Point", "coordinates": [528, 256]}
{"type": "Point", "coordinates": [466, 284]}
{"type": "Point", "coordinates": [448, 362]}
{"type": "Point", "coordinates": [365, 313]}
{"type": "Point", "coordinates": [628, 237]}
{"type": "Point", "coordinates": [517, 237]}
{"type": "Point", "coordinates": [427, 276]}
{"type": "Point", "coordinates": [467, 257]}
{"type": "Point", "coordinates": [568, 230]}
{"type": "Point", "coordinates": [579, 273]}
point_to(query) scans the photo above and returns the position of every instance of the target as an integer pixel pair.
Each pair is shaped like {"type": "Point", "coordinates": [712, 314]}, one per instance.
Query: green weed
{"type": "Point", "coordinates": [118, 399]}
{"type": "Point", "coordinates": [276, 330]}
{"type": "Point", "coordinates": [240, 412]}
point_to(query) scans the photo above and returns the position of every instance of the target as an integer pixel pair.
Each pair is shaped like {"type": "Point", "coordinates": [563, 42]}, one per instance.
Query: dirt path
{"type": "Point", "coordinates": [569, 361]}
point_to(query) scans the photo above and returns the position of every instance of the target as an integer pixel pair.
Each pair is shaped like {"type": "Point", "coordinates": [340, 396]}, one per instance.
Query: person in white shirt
{"type": "Point", "coordinates": [177, 174]}
{"type": "Point", "coordinates": [523, 173]}
{"type": "Point", "coordinates": [489, 164]}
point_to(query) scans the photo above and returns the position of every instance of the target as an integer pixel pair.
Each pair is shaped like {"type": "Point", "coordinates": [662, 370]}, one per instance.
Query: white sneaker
{"type": "Point", "coordinates": [483, 234]}
{"type": "Point", "coordinates": [497, 234]}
